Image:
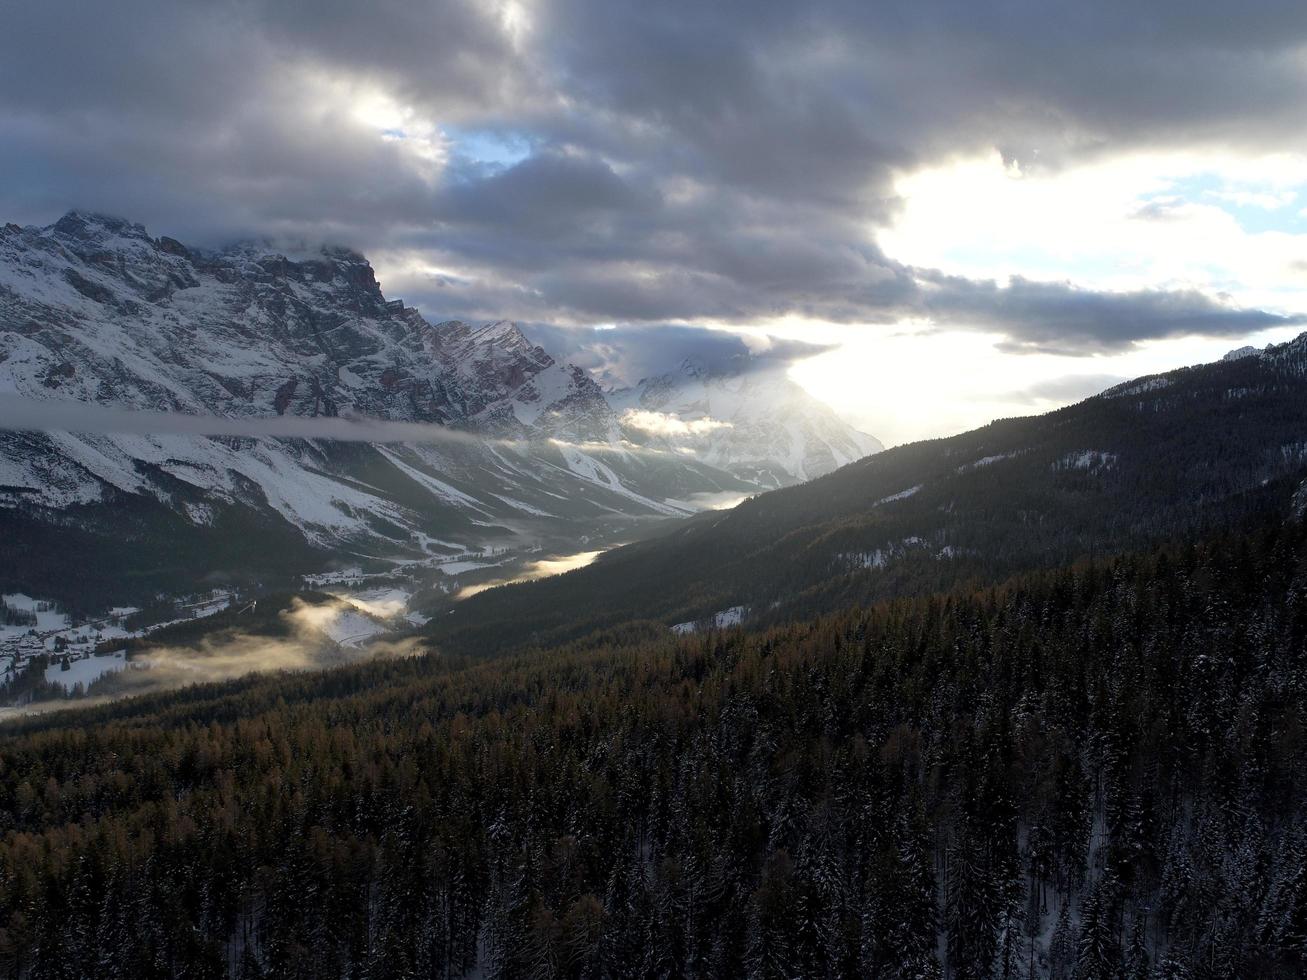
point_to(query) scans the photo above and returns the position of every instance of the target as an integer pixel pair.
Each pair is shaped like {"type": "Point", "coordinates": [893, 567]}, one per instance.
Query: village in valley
{"type": "Point", "coordinates": [40, 642]}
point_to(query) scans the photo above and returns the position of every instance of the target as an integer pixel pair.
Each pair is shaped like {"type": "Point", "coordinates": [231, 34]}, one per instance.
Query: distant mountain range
{"type": "Point", "coordinates": [95, 310]}
{"type": "Point", "coordinates": [1167, 456]}
{"type": "Point", "coordinates": [755, 424]}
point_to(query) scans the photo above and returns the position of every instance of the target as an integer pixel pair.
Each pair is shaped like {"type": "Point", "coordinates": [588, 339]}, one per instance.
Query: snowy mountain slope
{"type": "Point", "coordinates": [757, 424]}
{"type": "Point", "coordinates": [94, 310]}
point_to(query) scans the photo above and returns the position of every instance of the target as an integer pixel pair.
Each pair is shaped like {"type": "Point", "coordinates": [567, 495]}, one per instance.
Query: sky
{"type": "Point", "coordinates": [935, 212]}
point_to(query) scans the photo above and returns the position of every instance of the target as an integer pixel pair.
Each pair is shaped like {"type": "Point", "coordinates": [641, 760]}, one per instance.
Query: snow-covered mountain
{"type": "Point", "coordinates": [94, 310]}
{"type": "Point", "coordinates": [748, 418]}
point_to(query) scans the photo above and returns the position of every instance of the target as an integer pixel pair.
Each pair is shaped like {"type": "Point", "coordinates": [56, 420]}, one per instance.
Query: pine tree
{"type": "Point", "coordinates": [1136, 954]}
{"type": "Point", "coordinates": [1099, 956]}
{"type": "Point", "coordinates": [1282, 919]}
{"type": "Point", "coordinates": [1171, 967]}
{"type": "Point", "coordinates": [970, 910]}
{"type": "Point", "coordinates": [770, 953]}
{"type": "Point", "coordinates": [1062, 944]}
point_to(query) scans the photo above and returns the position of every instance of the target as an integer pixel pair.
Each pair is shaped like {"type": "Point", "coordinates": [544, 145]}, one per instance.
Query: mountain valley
{"type": "Point", "coordinates": [526, 456]}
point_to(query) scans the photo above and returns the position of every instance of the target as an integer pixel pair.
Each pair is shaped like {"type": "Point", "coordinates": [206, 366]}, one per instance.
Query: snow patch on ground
{"type": "Point", "coordinates": [987, 461]}
{"type": "Point", "coordinates": [428, 482]}
{"type": "Point", "coordinates": [47, 616]}
{"type": "Point", "coordinates": [459, 567]}
{"type": "Point", "coordinates": [881, 557]}
{"type": "Point", "coordinates": [722, 619]}
{"type": "Point", "coordinates": [901, 495]}
{"type": "Point", "coordinates": [601, 475]}
{"type": "Point", "coordinates": [1294, 452]}
{"type": "Point", "coordinates": [85, 671]}
{"type": "Point", "coordinates": [382, 601]}
{"type": "Point", "coordinates": [525, 508]}
{"type": "Point", "coordinates": [1137, 387]}
{"type": "Point", "coordinates": [351, 628]}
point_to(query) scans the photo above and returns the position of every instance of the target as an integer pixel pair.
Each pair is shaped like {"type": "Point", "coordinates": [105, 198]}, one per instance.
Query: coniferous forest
{"type": "Point", "coordinates": [1090, 772]}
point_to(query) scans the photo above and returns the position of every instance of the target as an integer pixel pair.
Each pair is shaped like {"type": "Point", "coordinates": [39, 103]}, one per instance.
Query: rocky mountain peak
{"type": "Point", "coordinates": [504, 334]}
{"type": "Point", "coordinates": [692, 367]}
{"type": "Point", "coordinates": [497, 350]}
{"type": "Point", "coordinates": [326, 267]}
{"type": "Point", "coordinates": [93, 226]}
{"type": "Point", "coordinates": [1240, 353]}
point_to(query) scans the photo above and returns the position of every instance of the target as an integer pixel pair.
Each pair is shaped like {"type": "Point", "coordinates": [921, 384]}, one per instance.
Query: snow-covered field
{"type": "Point", "coordinates": [1087, 459]}
{"type": "Point", "coordinates": [86, 670]}
{"type": "Point", "coordinates": [47, 618]}
{"type": "Point", "coordinates": [384, 601]}
{"type": "Point", "coordinates": [352, 629]}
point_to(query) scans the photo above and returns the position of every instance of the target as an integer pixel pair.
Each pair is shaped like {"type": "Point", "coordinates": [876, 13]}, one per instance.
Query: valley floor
{"type": "Point", "coordinates": [52, 654]}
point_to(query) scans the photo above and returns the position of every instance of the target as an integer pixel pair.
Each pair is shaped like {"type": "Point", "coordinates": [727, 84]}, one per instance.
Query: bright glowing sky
{"type": "Point", "coordinates": [1223, 225]}
{"type": "Point", "coordinates": [979, 209]}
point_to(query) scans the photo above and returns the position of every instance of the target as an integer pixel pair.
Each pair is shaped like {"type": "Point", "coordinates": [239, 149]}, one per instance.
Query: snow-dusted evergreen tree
{"type": "Point", "coordinates": [1099, 955]}
{"type": "Point", "coordinates": [771, 953]}
{"type": "Point", "coordinates": [1062, 944]}
{"type": "Point", "coordinates": [1137, 958]}
{"type": "Point", "coordinates": [971, 909]}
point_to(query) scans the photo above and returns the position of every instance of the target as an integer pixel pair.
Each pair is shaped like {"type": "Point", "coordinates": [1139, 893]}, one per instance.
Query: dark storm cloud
{"type": "Point", "coordinates": [1052, 317]}
{"type": "Point", "coordinates": [518, 216]}
{"type": "Point", "coordinates": [687, 161]}
{"type": "Point", "coordinates": [622, 356]}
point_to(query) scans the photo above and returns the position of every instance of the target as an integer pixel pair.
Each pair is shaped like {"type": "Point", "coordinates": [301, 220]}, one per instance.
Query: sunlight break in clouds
{"type": "Point", "coordinates": [1232, 227]}
{"type": "Point", "coordinates": [922, 383]}
{"type": "Point", "coordinates": [1219, 223]}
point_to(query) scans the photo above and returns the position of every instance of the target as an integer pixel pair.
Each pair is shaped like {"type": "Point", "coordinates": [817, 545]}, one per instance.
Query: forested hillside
{"type": "Point", "coordinates": [1179, 453]}
{"type": "Point", "coordinates": [1095, 772]}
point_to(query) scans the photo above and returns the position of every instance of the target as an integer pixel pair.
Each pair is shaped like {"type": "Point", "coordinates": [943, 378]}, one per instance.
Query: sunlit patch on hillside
{"type": "Point", "coordinates": [535, 570]}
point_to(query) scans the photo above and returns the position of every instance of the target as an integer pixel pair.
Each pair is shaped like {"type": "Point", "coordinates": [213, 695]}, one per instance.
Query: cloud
{"type": "Point", "coordinates": [1060, 318]}
{"type": "Point", "coordinates": [18, 413]}
{"type": "Point", "coordinates": [671, 426]}
{"type": "Point", "coordinates": [56, 415]}
{"type": "Point", "coordinates": [685, 161]}
{"type": "Point", "coordinates": [623, 355]}
{"type": "Point", "coordinates": [1063, 389]}
{"type": "Point", "coordinates": [1265, 200]}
